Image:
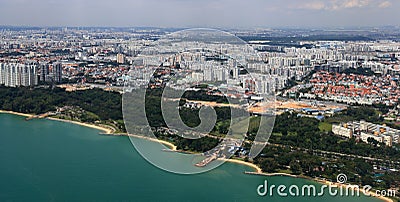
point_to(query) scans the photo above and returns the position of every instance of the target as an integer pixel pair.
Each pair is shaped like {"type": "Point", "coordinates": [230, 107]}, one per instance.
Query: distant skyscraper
{"type": "Point", "coordinates": [57, 72]}
{"type": "Point", "coordinates": [30, 74]}
{"type": "Point", "coordinates": [2, 74]}
{"type": "Point", "coordinates": [208, 75]}
{"type": "Point", "coordinates": [120, 58]}
{"type": "Point", "coordinates": [44, 72]}
{"type": "Point", "coordinates": [235, 72]}
{"type": "Point", "coordinates": [15, 74]}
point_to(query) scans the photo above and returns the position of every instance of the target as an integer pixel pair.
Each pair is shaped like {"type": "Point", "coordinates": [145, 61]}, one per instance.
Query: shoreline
{"type": "Point", "coordinates": [104, 129]}
{"type": "Point", "coordinates": [251, 165]}
{"type": "Point", "coordinates": [16, 113]}
{"type": "Point", "coordinates": [371, 193]}
{"type": "Point", "coordinates": [258, 170]}
{"type": "Point", "coordinates": [277, 174]}
{"type": "Point", "coordinates": [168, 144]}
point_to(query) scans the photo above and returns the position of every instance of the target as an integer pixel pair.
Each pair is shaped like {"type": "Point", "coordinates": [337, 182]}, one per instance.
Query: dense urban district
{"type": "Point", "coordinates": [337, 92]}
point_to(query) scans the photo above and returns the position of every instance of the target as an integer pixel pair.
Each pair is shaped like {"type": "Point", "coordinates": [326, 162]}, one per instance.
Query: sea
{"type": "Point", "coordinates": [46, 160]}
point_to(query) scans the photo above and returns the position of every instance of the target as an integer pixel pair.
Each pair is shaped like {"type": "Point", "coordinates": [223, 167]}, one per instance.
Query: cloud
{"type": "Point", "coordinates": [385, 4]}
{"type": "Point", "coordinates": [356, 3]}
{"type": "Point", "coordinates": [316, 5]}
{"type": "Point", "coordinates": [195, 13]}
{"type": "Point", "coordinates": [341, 4]}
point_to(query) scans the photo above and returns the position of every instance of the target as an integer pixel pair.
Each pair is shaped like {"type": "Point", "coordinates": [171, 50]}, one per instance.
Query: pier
{"type": "Point", "coordinates": [206, 161]}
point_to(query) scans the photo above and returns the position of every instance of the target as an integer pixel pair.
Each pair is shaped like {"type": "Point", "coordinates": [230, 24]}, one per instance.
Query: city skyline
{"type": "Point", "coordinates": [189, 13]}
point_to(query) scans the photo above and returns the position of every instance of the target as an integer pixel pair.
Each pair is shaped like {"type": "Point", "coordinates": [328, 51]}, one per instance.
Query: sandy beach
{"type": "Point", "coordinates": [16, 113]}
{"type": "Point", "coordinates": [254, 166]}
{"type": "Point", "coordinates": [370, 193]}
{"type": "Point", "coordinates": [168, 144]}
{"type": "Point", "coordinates": [326, 182]}
{"type": "Point", "coordinates": [345, 186]}
{"type": "Point", "coordinates": [104, 129]}
{"type": "Point", "coordinates": [275, 174]}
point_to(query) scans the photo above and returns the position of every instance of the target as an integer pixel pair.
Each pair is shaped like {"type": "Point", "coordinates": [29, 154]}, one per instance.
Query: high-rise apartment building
{"type": "Point", "coordinates": [16, 74]}
{"type": "Point", "coordinates": [44, 72]}
{"type": "Point", "coordinates": [57, 71]}
{"type": "Point", "coordinates": [120, 58]}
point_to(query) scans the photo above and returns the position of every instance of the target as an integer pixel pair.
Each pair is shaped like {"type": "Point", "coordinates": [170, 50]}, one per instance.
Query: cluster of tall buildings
{"type": "Point", "coordinates": [17, 74]}
{"type": "Point", "coordinates": [50, 73]}
{"type": "Point", "coordinates": [29, 73]}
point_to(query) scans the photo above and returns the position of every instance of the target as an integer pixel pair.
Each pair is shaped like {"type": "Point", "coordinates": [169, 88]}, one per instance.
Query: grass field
{"type": "Point", "coordinates": [323, 126]}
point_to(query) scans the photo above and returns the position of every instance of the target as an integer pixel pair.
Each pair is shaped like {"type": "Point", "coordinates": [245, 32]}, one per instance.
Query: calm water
{"type": "Point", "coordinates": [43, 160]}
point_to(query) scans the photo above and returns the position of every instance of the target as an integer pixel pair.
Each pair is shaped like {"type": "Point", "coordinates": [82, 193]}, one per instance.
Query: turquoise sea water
{"type": "Point", "coordinates": [43, 160]}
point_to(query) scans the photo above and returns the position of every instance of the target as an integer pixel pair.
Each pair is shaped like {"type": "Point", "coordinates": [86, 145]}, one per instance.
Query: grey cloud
{"type": "Point", "coordinates": [196, 13]}
{"type": "Point", "coordinates": [340, 4]}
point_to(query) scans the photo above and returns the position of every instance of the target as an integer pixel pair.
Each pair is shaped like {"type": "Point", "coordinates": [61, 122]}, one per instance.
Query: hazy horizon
{"type": "Point", "coordinates": [206, 13]}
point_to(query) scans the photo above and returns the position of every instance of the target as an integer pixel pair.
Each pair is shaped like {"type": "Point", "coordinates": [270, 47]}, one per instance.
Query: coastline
{"type": "Point", "coordinates": [168, 144]}
{"type": "Point", "coordinates": [16, 113]}
{"type": "Point", "coordinates": [252, 165]}
{"type": "Point", "coordinates": [371, 193]}
{"type": "Point", "coordinates": [258, 170]}
{"type": "Point", "coordinates": [277, 174]}
{"type": "Point", "coordinates": [109, 131]}
{"type": "Point", "coordinates": [104, 129]}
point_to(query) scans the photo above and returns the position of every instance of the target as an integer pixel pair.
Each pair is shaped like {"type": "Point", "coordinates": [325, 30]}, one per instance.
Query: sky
{"type": "Point", "coordinates": [201, 13]}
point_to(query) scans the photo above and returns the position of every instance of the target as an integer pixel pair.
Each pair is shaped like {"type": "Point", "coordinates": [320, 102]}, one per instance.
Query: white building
{"type": "Point", "coordinates": [386, 139]}
{"type": "Point", "coordinates": [365, 130]}
{"type": "Point", "coordinates": [16, 74]}
{"type": "Point", "coordinates": [342, 130]}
